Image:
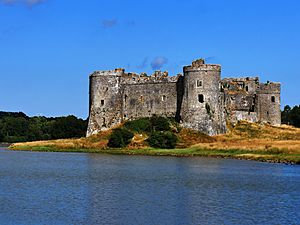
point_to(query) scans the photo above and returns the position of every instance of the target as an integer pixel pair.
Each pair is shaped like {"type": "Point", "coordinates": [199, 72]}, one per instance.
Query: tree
{"type": "Point", "coordinates": [291, 115]}
{"type": "Point", "coordinates": [285, 115]}
{"type": "Point", "coordinates": [16, 127]}
{"type": "Point", "coordinates": [295, 116]}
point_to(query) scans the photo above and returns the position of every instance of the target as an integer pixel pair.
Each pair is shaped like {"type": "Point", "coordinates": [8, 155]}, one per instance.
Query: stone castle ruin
{"type": "Point", "coordinates": [198, 99]}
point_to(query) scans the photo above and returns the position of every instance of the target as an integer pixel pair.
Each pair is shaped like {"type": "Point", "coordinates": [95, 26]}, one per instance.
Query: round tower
{"type": "Point", "coordinates": [105, 100]}
{"type": "Point", "coordinates": [203, 101]}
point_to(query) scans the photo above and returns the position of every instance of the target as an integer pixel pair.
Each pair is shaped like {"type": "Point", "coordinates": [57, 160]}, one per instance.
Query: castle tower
{"type": "Point", "coordinates": [203, 101]}
{"type": "Point", "coordinates": [269, 103]}
{"type": "Point", "coordinates": [105, 100]}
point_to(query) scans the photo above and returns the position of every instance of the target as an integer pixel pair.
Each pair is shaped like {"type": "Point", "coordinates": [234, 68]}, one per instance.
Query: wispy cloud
{"type": "Point", "coordinates": [158, 62]}
{"type": "Point", "coordinates": [143, 64]}
{"type": "Point", "coordinates": [109, 23]}
{"type": "Point", "coordinates": [24, 2]}
{"type": "Point", "coordinates": [209, 58]}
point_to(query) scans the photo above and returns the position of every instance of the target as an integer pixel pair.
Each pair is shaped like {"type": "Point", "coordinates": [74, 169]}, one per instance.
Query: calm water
{"type": "Point", "coordinates": [70, 188]}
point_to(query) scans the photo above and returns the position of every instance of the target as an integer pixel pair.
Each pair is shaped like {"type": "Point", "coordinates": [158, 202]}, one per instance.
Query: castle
{"type": "Point", "coordinates": [198, 99]}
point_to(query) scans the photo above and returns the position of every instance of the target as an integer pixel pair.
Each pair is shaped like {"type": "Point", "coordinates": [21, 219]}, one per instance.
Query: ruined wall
{"type": "Point", "coordinates": [241, 98]}
{"type": "Point", "coordinates": [248, 99]}
{"type": "Point", "coordinates": [116, 96]}
{"type": "Point", "coordinates": [269, 103]}
{"type": "Point", "coordinates": [148, 99]}
{"type": "Point", "coordinates": [198, 99]}
{"type": "Point", "coordinates": [202, 107]}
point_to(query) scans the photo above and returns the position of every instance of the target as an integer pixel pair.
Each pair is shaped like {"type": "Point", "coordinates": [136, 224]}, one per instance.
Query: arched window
{"type": "Point", "coordinates": [201, 98]}
{"type": "Point", "coordinates": [273, 98]}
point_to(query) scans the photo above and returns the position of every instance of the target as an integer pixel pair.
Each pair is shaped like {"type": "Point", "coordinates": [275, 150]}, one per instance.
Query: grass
{"type": "Point", "coordinates": [249, 141]}
{"type": "Point", "coordinates": [271, 155]}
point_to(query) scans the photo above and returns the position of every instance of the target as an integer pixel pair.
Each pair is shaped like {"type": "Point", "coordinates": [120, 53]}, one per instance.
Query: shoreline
{"type": "Point", "coordinates": [248, 141]}
{"type": "Point", "coordinates": [5, 145]}
{"type": "Point", "coordinates": [271, 156]}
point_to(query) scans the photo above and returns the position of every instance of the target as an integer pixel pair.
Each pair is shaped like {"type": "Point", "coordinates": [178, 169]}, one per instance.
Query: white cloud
{"type": "Point", "coordinates": [158, 62]}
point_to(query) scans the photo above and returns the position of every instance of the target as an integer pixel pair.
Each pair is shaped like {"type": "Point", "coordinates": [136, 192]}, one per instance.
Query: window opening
{"type": "Point", "coordinates": [201, 98]}
{"type": "Point", "coordinates": [199, 83]}
{"type": "Point", "coordinates": [103, 124]}
{"type": "Point", "coordinates": [273, 98]}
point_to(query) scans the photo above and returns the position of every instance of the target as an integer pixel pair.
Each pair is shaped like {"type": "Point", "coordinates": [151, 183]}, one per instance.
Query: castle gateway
{"type": "Point", "coordinates": [198, 99]}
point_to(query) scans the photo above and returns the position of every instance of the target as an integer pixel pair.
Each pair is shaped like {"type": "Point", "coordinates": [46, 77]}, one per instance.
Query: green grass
{"type": "Point", "coordinates": [270, 155]}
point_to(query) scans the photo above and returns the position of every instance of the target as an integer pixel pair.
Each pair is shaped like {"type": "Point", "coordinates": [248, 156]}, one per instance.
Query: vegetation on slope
{"type": "Point", "coordinates": [160, 132]}
{"type": "Point", "coordinates": [243, 141]}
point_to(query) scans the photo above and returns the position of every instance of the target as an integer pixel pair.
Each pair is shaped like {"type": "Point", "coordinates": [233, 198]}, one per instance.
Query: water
{"type": "Point", "coordinates": [72, 188]}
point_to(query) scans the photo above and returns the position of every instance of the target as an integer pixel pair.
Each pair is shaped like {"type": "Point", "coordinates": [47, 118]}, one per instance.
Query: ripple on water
{"type": "Point", "coordinates": [72, 188]}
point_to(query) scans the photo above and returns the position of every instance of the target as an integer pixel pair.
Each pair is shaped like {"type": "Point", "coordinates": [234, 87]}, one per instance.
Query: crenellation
{"type": "Point", "coordinates": [198, 98]}
{"type": "Point", "coordinates": [270, 87]}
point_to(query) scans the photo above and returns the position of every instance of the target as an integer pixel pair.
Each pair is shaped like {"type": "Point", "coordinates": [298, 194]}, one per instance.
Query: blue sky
{"type": "Point", "coordinates": [48, 48]}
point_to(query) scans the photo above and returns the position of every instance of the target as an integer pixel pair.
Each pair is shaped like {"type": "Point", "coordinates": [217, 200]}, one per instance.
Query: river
{"type": "Point", "coordinates": [76, 188]}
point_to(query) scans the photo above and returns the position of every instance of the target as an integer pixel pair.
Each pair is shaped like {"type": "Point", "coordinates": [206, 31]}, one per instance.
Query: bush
{"type": "Point", "coordinates": [148, 125]}
{"type": "Point", "coordinates": [120, 138]}
{"type": "Point", "coordinates": [165, 139]}
{"type": "Point", "coordinates": [139, 125]}
{"type": "Point", "coordinates": [160, 124]}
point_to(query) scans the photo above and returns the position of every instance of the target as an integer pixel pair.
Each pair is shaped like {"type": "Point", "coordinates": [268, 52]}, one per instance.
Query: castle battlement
{"type": "Point", "coordinates": [198, 99]}
{"type": "Point", "coordinates": [270, 87]}
{"type": "Point", "coordinates": [135, 78]}
{"type": "Point", "coordinates": [204, 67]}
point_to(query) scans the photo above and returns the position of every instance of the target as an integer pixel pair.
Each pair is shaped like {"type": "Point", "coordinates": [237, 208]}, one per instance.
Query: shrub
{"type": "Point", "coordinates": [160, 124]}
{"type": "Point", "coordinates": [162, 139]}
{"type": "Point", "coordinates": [139, 125]}
{"type": "Point", "coordinates": [120, 138]}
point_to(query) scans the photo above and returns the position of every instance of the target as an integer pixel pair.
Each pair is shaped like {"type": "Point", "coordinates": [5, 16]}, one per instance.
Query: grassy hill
{"type": "Point", "coordinates": [245, 140]}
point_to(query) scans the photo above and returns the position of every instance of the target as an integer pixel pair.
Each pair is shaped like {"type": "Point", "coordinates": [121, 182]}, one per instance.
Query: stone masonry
{"type": "Point", "coordinates": [198, 99]}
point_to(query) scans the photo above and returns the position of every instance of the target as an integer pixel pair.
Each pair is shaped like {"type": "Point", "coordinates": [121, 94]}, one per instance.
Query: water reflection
{"type": "Point", "coordinates": [64, 188]}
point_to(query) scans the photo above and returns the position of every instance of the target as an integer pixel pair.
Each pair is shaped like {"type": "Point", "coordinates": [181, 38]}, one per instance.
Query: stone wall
{"type": "Point", "coordinates": [241, 98]}
{"type": "Point", "coordinates": [148, 99]}
{"type": "Point", "coordinates": [116, 96]}
{"type": "Point", "coordinates": [105, 102]}
{"type": "Point", "coordinates": [269, 103]}
{"type": "Point", "coordinates": [199, 99]}
{"type": "Point", "coordinates": [202, 107]}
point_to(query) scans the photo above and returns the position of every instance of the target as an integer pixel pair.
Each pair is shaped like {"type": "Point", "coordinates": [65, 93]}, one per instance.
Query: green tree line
{"type": "Point", "coordinates": [291, 116]}
{"type": "Point", "coordinates": [18, 127]}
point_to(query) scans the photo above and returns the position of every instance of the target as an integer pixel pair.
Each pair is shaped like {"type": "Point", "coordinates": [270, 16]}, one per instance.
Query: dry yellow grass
{"type": "Point", "coordinates": [244, 140]}
{"type": "Point", "coordinates": [98, 141]}
{"type": "Point", "coordinates": [252, 136]}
